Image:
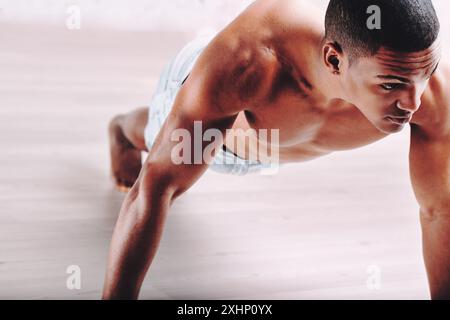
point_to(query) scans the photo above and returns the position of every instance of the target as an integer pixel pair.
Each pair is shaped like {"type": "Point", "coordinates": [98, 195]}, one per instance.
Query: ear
{"type": "Point", "coordinates": [333, 57]}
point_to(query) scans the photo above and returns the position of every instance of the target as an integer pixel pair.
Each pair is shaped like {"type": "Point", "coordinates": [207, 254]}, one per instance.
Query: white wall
{"type": "Point", "coordinates": [184, 15]}
{"type": "Point", "coordinates": [127, 14]}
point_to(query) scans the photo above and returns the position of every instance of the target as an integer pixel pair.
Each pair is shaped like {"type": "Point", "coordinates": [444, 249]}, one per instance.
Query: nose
{"type": "Point", "coordinates": [412, 100]}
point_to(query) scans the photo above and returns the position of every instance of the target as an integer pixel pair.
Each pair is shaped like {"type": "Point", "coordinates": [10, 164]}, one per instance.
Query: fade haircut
{"type": "Point", "coordinates": [406, 26]}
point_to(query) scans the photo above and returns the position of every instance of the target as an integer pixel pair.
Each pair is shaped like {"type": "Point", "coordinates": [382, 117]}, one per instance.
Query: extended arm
{"type": "Point", "coordinates": [430, 169]}
{"type": "Point", "coordinates": [208, 96]}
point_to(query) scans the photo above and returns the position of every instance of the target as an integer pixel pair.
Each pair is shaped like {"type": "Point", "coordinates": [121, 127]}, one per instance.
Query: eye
{"type": "Point", "coordinates": [391, 86]}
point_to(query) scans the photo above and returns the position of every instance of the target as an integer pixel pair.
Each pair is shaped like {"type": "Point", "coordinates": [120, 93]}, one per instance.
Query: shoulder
{"type": "Point", "coordinates": [238, 66]}
{"type": "Point", "coordinates": [233, 67]}
{"type": "Point", "coordinates": [433, 117]}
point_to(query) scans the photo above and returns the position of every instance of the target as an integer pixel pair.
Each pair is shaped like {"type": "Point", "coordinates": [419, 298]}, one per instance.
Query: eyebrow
{"type": "Point", "coordinates": [392, 77]}
{"type": "Point", "coordinates": [402, 79]}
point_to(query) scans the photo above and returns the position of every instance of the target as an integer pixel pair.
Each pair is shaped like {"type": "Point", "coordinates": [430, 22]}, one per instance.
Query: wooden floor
{"type": "Point", "coordinates": [315, 230]}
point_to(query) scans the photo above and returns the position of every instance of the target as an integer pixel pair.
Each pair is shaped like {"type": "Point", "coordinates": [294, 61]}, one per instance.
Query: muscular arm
{"type": "Point", "coordinates": [430, 169]}
{"type": "Point", "coordinates": [209, 95]}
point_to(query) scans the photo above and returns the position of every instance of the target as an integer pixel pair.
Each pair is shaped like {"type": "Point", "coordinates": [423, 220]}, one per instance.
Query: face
{"type": "Point", "coordinates": [387, 87]}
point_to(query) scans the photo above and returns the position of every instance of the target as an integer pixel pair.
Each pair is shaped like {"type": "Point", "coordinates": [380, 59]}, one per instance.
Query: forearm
{"type": "Point", "coordinates": [134, 243]}
{"type": "Point", "coordinates": [436, 249]}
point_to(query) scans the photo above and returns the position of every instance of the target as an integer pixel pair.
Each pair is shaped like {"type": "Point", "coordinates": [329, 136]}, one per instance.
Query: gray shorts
{"type": "Point", "coordinates": [170, 81]}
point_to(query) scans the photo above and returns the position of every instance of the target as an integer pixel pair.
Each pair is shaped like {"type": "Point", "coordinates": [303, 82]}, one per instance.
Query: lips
{"type": "Point", "coordinates": [398, 120]}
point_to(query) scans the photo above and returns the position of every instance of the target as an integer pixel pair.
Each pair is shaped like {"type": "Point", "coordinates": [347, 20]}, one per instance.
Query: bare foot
{"type": "Point", "coordinates": [125, 159]}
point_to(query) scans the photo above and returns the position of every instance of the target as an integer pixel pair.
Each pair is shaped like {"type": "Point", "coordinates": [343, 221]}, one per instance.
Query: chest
{"type": "Point", "coordinates": [302, 125]}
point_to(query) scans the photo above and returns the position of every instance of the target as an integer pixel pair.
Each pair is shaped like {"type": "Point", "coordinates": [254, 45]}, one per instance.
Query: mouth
{"type": "Point", "coordinates": [399, 120]}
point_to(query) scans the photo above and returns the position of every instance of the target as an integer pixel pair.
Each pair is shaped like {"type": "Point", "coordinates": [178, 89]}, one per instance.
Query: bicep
{"type": "Point", "coordinates": [180, 150]}
{"type": "Point", "coordinates": [205, 102]}
{"type": "Point", "coordinates": [430, 169]}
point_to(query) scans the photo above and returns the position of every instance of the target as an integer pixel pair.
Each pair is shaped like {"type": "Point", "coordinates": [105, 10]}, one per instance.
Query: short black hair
{"type": "Point", "coordinates": [406, 26]}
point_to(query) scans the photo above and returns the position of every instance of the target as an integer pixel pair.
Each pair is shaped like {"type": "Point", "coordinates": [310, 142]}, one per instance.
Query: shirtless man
{"type": "Point", "coordinates": [337, 87]}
